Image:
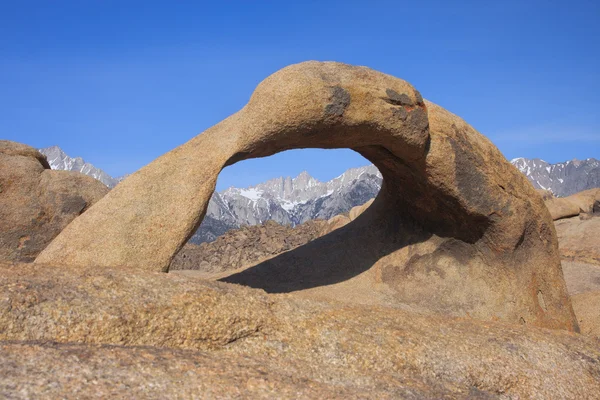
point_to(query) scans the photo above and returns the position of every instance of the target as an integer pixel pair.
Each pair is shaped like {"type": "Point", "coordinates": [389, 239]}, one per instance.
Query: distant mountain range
{"type": "Point", "coordinates": [289, 201]}
{"type": "Point", "coordinates": [562, 179]}
{"type": "Point", "coordinates": [292, 201]}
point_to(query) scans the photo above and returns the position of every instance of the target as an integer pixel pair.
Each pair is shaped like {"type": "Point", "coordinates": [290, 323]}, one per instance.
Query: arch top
{"type": "Point", "coordinates": [452, 213]}
{"type": "Point", "coordinates": [334, 105]}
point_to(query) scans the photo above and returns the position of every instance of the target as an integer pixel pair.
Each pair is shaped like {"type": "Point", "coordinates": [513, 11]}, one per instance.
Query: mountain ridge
{"type": "Point", "coordinates": [563, 178]}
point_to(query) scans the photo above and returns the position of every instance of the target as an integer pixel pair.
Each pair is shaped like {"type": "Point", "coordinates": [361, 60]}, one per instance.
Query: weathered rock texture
{"type": "Point", "coordinates": [455, 229]}
{"type": "Point", "coordinates": [587, 308]}
{"type": "Point", "coordinates": [36, 203]}
{"type": "Point", "coordinates": [254, 344]}
{"type": "Point", "coordinates": [245, 246]}
{"type": "Point", "coordinates": [46, 370]}
{"type": "Point", "coordinates": [579, 239]}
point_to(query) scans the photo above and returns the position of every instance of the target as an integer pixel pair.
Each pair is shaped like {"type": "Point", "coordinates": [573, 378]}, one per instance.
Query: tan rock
{"type": "Point", "coordinates": [9, 148]}
{"type": "Point", "coordinates": [36, 203]}
{"type": "Point", "coordinates": [334, 223]}
{"type": "Point", "coordinates": [587, 309]}
{"type": "Point", "coordinates": [585, 200]}
{"type": "Point", "coordinates": [455, 229]}
{"type": "Point", "coordinates": [546, 194]}
{"type": "Point", "coordinates": [356, 211]}
{"type": "Point", "coordinates": [76, 371]}
{"type": "Point", "coordinates": [571, 206]}
{"type": "Point", "coordinates": [562, 207]}
{"type": "Point", "coordinates": [580, 276]}
{"type": "Point", "coordinates": [256, 344]}
{"type": "Point", "coordinates": [579, 239]}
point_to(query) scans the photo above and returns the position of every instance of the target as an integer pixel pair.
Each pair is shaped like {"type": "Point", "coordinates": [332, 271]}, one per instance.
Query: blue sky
{"type": "Point", "coordinates": [121, 82]}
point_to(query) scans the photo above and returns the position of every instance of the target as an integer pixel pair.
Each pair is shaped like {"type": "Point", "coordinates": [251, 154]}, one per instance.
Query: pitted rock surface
{"type": "Point", "coordinates": [455, 229]}
{"type": "Point", "coordinates": [36, 203]}
{"type": "Point", "coordinates": [189, 337]}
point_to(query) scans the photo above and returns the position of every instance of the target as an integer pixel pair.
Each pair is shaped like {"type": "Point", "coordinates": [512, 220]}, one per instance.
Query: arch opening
{"type": "Point", "coordinates": [290, 188]}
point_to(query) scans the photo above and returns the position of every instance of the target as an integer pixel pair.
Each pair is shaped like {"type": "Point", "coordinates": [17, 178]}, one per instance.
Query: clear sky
{"type": "Point", "coordinates": [119, 82]}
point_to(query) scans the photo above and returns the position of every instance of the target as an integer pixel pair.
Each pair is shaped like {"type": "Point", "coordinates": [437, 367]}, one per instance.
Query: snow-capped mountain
{"type": "Point", "coordinates": [59, 160]}
{"type": "Point", "coordinates": [562, 179]}
{"type": "Point", "coordinates": [289, 201]}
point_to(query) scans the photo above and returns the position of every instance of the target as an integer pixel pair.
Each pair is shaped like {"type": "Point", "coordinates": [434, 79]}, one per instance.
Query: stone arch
{"type": "Point", "coordinates": [455, 228]}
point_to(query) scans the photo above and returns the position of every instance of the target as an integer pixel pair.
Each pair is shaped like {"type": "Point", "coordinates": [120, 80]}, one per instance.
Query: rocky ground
{"type": "Point", "coordinates": [130, 332]}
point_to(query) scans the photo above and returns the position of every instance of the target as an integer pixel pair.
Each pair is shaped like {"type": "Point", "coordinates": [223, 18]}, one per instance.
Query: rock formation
{"type": "Point", "coordinates": [571, 206]}
{"type": "Point", "coordinates": [55, 320]}
{"type": "Point", "coordinates": [579, 239]}
{"type": "Point", "coordinates": [455, 229]}
{"type": "Point", "coordinates": [36, 203]}
{"type": "Point", "coordinates": [245, 246]}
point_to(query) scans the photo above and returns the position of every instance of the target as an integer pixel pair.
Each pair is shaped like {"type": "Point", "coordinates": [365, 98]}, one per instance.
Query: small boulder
{"type": "Point", "coordinates": [561, 207]}
{"type": "Point", "coordinates": [36, 203]}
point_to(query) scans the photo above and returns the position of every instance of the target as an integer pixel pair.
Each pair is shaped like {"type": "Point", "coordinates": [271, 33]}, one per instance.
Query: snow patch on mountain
{"type": "Point", "coordinates": [562, 179]}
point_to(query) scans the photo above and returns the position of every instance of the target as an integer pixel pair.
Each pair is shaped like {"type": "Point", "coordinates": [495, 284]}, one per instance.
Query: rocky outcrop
{"type": "Point", "coordinates": [576, 204]}
{"type": "Point", "coordinates": [249, 245]}
{"type": "Point", "coordinates": [562, 208]}
{"type": "Point", "coordinates": [45, 371]}
{"type": "Point", "coordinates": [58, 160]}
{"type": "Point", "coordinates": [37, 203]}
{"type": "Point", "coordinates": [58, 319]}
{"type": "Point", "coordinates": [455, 229]}
{"type": "Point", "coordinates": [586, 200]}
{"type": "Point", "coordinates": [246, 246]}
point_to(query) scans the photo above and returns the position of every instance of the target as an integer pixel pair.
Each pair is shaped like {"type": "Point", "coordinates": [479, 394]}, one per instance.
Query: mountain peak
{"type": "Point", "coordinates": [303, 175]}
{"type": "Point", "coordinates": [59, 160]}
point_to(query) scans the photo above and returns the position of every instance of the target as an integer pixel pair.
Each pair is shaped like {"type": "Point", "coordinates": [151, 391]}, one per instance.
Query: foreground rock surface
{"type": "Point", "coordinates": [36, 203]}
{"type": "Point", "coordinates": [46, 370]}
{"type": "Point", "coordinates": [455, 229]}
{"type": "Point", "coordinates": [259, 345]}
